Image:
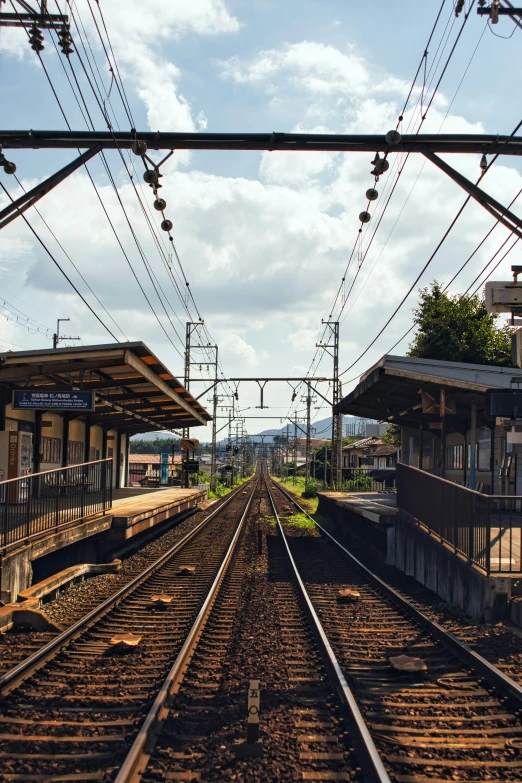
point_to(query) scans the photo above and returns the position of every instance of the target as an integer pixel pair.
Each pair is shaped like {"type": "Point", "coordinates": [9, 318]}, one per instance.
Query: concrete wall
{"type": "Point", "coordinates": [421, 556]}
{"type": "Point", "coordinates": [400, 542]}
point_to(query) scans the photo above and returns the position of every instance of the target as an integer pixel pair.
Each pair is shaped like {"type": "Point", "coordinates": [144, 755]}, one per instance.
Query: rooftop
{"type": "Point", "coordinates": [391, 389]}
{"type": "Point", "coordinates": [134, 391]}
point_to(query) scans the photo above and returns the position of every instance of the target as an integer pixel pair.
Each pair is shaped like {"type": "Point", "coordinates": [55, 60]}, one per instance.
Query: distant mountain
{"type": "Point", "coordinates": [320, 429]}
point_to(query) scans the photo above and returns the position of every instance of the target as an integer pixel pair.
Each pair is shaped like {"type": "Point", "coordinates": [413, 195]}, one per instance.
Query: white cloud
{"type": "Point", "coordinates": [265, 254]}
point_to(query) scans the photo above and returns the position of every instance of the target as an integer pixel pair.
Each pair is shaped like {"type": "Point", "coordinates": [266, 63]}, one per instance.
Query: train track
{"type": "Point", "coordinates": [84, 596]}
{"type": "Point", "coordinates": [458, 720]}
{"type": "Point", "coordinates": [71, 709]}
{"type": "Point", "coordinates": [332, 705]}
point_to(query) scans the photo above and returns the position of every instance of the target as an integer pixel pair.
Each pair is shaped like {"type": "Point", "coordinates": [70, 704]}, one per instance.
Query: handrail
{"type": "Point", "coordinates": [55, 470]}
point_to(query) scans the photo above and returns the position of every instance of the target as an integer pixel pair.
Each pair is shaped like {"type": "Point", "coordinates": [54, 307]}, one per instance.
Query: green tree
{"type": "Point", "coordinates": [392, 436]}
{"type": "Point", "coordinates": [458, 329]}
{"type": "Point", "coordinates": [158, 446]}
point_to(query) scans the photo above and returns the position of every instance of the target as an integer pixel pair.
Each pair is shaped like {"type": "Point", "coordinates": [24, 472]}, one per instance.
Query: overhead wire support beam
{"type": "Point", "coordinates": [494, 207]}
{"type": "Point", "coordinates": [28, 199]}
{"type": "Point", "coordinates": [501, 11]}
{"type": "Point", "coordinates": [42, 20]}
{"type": "Point", "coordinates": [299, 142]}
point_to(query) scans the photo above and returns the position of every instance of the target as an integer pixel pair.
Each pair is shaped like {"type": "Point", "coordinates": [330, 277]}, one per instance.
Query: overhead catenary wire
{"type": "Point", "coordinates": [64, 273]}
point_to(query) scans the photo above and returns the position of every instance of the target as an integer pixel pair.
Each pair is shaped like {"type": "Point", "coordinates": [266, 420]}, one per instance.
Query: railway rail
{"type": "Point", "coordinates": [334, 707]}
{"type": "Point", "coordinates": [84, 596]}
{"type": "Point", "coordinates": [458, 720]}
{"type": "Point", "coordinates": [71, 709]}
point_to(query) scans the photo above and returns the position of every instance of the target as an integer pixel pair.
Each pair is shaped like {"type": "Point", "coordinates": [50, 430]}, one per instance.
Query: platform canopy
{"type": "Point", "coordinates": [392, 390]}
{"type": "Point", "coordinates": [134, 391]}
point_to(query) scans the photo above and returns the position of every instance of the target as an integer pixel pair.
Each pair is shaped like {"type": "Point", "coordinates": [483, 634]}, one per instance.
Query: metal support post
{"type": "Point", "coordinates": [308, 436]}
{"type": "Point", "coordinates": [331, 346]}
{"type": "Point", "coordinates": [30, 198]}
{"type": "Point", "coordinates": [473, 446]}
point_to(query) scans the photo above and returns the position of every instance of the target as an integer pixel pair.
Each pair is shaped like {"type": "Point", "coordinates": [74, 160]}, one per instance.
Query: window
{"type": "Point", "coordinates": [51, 450]}
{"type": "Point", "coordinates": [74, 452]}
{"type": "Point", "coordinates": [454, 457]}
{"type": "Point", "coordinates": [484, 449]}
{"type": "Point", "coordinates": [94, 454]}
{"type": "Point", "coordinates": [427, 452]}
{"type": "Point", "coordinates": [345, 462]}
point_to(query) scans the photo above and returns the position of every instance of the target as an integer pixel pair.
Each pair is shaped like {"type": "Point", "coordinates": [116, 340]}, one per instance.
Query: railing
{"type": "Point", "coordinates": [486, 529]}
{"type": "Point", "coordinates": [366, 479]}
{"type": "Point", "coordinates": [42, 502]}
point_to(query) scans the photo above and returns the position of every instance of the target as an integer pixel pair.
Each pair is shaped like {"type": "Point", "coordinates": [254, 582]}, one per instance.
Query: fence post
{"type": "Point", "coordinates": [28, 505]}
{"type": "Point", "coordinates": [471, 531]}
{"type": "Point", "coordinates": [85, 479]}
{"type": "Point", "coordinates": [488, 538]}
{"type": "Point", "coordinates": [109, 502]}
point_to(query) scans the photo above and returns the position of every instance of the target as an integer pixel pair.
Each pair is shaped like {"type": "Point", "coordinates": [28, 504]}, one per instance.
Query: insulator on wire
{"type": "Point", "coordinates": [139, 147]}
{"type": "Point", "coordinates": [65, 40]}
{"type": "Point", "coordinates": [166, 225]}
{"type": "Point", "coordinates": [151, 177]}
{"type": "Point", "coordinates": [365, 217]}
{"type": "Point", "coordinates": [393, 137]}
{"type": "Point", "coordinates": [35, 38]}
{"type": "Point", "coordinates": [372, 194]}
{"type": "Point", "coordinates": [160, 204]}
{"type": "Point", "coordinates": [459, 7]}
{"type": "Point", "coordinates": [380, 165]}
{"type": "Point", "coordinates": [9, 167]}
{"type": "Point", "coordinates": [494, 12]}
{"type": "Point", "coordinates": [483, 163]}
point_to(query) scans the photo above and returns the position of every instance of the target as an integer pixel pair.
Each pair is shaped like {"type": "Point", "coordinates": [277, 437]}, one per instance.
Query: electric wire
{"type": "Point", "coordinates": [64, 273]}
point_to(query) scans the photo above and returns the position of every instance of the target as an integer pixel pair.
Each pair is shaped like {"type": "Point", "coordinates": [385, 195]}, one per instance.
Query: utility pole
{"type": "Point", "coordinates": [331, 346]}
{"type": "Point", "coordinates": [308, 435]}
{"type": "Point", "coordinates": [192, 327]}
{"type": "Point", "coordinates": [57, 338]}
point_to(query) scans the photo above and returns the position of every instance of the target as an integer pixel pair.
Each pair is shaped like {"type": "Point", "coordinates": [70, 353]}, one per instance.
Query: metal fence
{"type": "Point", "coordinates": [145, 477]}
{"type": "Point", "coordinates": [368, 480]}
{"type": "Point", "coordinates": [486, 529]}
{"type": "Point", "coordinates": [41, 502]}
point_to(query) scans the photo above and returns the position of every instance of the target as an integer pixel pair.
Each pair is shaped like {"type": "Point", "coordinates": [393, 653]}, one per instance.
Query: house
{"type": "Point", "coordinates": [145, 469]}
{"type": "Point", "coordinates": [370, 457]}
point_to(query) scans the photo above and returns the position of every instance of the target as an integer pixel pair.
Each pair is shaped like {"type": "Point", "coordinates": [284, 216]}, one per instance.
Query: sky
{"type": "Point", "coordinates": [264, 238]}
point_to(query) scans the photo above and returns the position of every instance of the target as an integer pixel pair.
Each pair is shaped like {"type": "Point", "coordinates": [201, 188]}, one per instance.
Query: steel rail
{"type": "Point", "coordinates": [136, 761]}
{"type": "Point", "coordinates": [368, 755]}
{"type": "Point", "coordinates": [11, 679]}
{"type": "Point", "coordinates": [496, 679]}
{"type": "Point", "coordinates": [443, 143]}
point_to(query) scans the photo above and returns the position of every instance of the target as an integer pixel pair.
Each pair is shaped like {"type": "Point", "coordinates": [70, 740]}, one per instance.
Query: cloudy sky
{"type": "Point", "coordinates": [264, 238]}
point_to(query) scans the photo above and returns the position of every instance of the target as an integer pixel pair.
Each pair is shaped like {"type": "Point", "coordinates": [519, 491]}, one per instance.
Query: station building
{"type": "Point", "coordinates": [66, 419]}
{"type": "Point", "coordinates": [456, 525]}
{"type": "Point", "coordinates": [439, 405]}
{"type": "Point", "coordinates": [134, 393]}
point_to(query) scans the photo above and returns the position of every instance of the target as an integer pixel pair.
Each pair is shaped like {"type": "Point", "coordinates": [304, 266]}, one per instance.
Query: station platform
{"type": "Point", "coordinates": [374, 520]}
{"type": "Point", "coordinates": [90, 540]}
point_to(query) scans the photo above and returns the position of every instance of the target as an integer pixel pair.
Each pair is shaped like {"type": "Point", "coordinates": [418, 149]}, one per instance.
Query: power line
{"type": "Point", "coordinates": [64, 273]}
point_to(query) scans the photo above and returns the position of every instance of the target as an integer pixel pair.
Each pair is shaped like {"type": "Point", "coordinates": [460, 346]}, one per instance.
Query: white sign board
{"type": "Point", "coordinates": [503, 296]}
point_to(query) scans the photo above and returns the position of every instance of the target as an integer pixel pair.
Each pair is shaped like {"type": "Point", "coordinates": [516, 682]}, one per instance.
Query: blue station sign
{"type": "Point", "coordinates": [27, 399]}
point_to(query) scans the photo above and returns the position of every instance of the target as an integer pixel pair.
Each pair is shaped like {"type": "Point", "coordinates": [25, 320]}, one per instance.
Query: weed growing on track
{"type": "Point", "coordinates": [309, 504]}
{"type": "Point", "coordinates": [300, 521]}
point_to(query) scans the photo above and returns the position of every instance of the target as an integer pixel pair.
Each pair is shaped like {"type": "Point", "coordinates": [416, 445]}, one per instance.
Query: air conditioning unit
{"type": "Point", "coordinates": [503, 297]}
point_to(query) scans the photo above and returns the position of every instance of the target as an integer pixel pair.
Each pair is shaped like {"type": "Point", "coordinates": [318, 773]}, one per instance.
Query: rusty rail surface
{"type": "Point", "coordinates": [11, 679]}
{"type": "Point", "coordinates": [504, 685]}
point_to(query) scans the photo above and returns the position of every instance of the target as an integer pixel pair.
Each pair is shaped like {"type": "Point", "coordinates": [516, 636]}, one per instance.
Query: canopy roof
{"type": "Point", "coordinates": [391, 389]}
{"type": "Point", "coordinates": [134, 391]}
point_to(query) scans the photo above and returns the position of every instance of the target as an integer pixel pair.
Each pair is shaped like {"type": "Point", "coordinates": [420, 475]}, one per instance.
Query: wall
{"type": "Point", "coordinates": [97, 440]}
{"type": "Point", "coordinates": [55, 431]}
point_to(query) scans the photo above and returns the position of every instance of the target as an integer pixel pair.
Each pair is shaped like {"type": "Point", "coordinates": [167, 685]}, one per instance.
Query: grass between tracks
{"type": "Point", "coordinates": [309, 504]}
{"type": "Point", "coordinates": [222, 490]}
